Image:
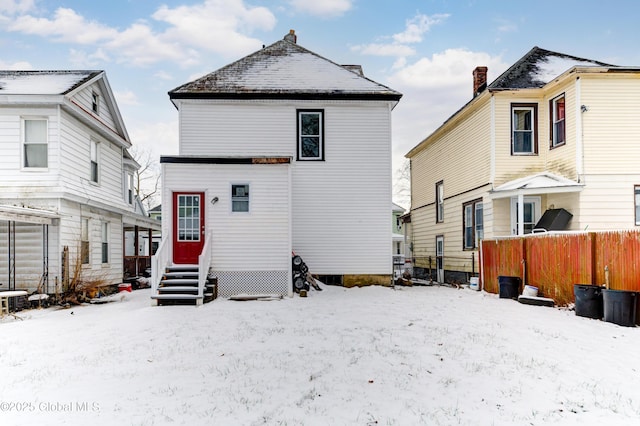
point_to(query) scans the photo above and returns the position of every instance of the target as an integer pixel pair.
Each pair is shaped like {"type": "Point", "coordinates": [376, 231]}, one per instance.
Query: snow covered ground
{"type": "Point", "coordinates": [362, 356]}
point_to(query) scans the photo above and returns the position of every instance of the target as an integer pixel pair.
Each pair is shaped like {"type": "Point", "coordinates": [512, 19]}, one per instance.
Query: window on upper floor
{"type": "Point", "coordinates": [524, 129]}
{"type": "Point", "coordinates": [95, 102]}
{"type": "Point", "coordinates": [473, 229]}
{"type": "Point", "coordinates": [35, 143]}
{"type": "Point", "coordinates": [130, 188]}
{"type": "Point", "coordinates": [240, 198]}
{"type": "Point", "coordinates": [310, 135]}
{"type": "Point", "coordinates": [636, 193]}
{"type": "Point", "coordinates": [94, 161]}
{"type": "Point", "coordinates": [557, 121]}
{"type": "Point", "coordinates": [440, 202]}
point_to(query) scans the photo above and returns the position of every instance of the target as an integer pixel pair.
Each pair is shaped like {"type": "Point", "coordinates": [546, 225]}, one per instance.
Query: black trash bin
{"type": "Point", "coordinates": [588, 301]}
{"type": "Point", "coordinates": [509, 287]}
{"type": "Point", "coordinates": [620, 307]}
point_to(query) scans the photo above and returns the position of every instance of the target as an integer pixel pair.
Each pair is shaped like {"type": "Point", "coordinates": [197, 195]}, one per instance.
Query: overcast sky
{"type": "Point", "coordinates": [426, 49]}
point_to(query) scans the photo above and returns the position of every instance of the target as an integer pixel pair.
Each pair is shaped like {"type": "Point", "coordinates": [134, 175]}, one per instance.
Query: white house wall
{"type": "Point", "coordinates": [251, 252]}
{"type": "Point", "coordinates": [85, 98]}
{"type": "Point", "coordinates": [340, 205]}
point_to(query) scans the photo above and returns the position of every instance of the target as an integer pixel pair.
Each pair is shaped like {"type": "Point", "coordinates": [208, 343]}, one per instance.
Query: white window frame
{"type": "Point", "coordinates": [556, 122]}
{"type": "Point", "coordinates": [532, 108]}
{"type": "Point", "coordinates": [129, 189]}
{"type": "Point", "coordinates": [25, 143]}
{"type": "Point", "coordinates": [105, 242]}
{"type": "Point", "coordinates": [471, 212]}
{"type": "Point", "coordinates": [440, 202]}
{"type": "Point", "coordinates": [319, 135]}
{"type": "Point", "coordinates": [95, 103]}
{"type": "Point", "coordinates": [536, 202]}
{"type": "Point", "coordinates": [85, 241]}
{"type": "Point", "coordinates": [240, 198]}
{"type": "Point", "coordinates": [94, 161]}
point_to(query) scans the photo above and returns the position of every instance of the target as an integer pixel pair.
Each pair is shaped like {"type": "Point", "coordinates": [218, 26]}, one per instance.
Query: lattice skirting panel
{"type": "Point", "coordinates": [231, 283]}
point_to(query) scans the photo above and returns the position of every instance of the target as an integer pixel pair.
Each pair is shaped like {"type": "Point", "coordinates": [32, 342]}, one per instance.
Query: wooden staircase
{"type": "Point", "coordinates": [179, 286]}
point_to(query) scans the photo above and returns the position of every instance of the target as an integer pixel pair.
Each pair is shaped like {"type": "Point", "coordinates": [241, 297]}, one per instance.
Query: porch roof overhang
{"type": "Point", "coordinates": [28, 215]}
{"type": "Point", "coordinates": [131, 220]}
{"type": "Point", "coordinates": [539, 183]}
{"type": "Point", "coordinates": [397, 237]}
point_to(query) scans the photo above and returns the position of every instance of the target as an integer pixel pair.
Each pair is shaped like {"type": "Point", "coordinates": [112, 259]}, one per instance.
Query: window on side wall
{"type": "Point", "coordinates": [636, 190]}
{"type": "Point", "coordinates": [35, 143]}
{"type": "Point", "coordinates": [557, 121]}
{"type": "Point", "coordinates": [94, 161]}
{"type": "Point", "coordinates": [440, 202]}
{"type": "Point", "coordinates": [240, 198]}
{"type": "Point", "coordinates": [84, 241]}
{"type": "Point", "coordinates": [130, 188]}
{"type": "Point", "coordinates": [95, 103]}
{"type": "Point", "coordinates": [524, 129]}
{"type": "Point", "coordinates": [105, 242]}
{"type": "Point", "coordinates": [310, 134]}
{"type": "Point", "coordinates": [473, 224]}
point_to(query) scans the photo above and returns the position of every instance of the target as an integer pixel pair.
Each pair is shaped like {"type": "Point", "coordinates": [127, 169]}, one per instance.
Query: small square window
{"type": "Point", "coordinates": [240, 198]}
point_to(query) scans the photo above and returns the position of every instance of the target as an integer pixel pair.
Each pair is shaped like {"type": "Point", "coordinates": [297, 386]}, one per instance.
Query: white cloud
{"type": "Point", "coordinates": [80, 58]}
{"type": "Point", "coordinates": [16, 6]}
{"type": "Point", "coordinates": [16, 66]}
{"type": "Point", "coordinates": [434, 88]}
{"type": "Point", "coordinates": [417, 26]}
{"type": "Point", "coordinates": [126, 98]}
{"type": "Point", "coordinates": [392, 49]}
{"type": "Point", "coordinates": [217, 26]}
{"type": "Point", "coordinates": [323, 8]}
{"type": "Point", "coordinates": [399, 47]}
{"type": "Point", "coordinates": [163, 75]}
{"type": "Point", "coordinates": [65, 26]}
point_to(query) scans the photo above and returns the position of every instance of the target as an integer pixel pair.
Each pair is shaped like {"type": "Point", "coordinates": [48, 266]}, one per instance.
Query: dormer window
{"type": "Point", "coordinates": [95, 102]}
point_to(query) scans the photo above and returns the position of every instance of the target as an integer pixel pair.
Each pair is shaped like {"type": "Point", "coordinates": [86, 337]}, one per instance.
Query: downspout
{"type": "Point", "coordinates": [492, 150]}
{"type": "Point", "coordinates": [579, 135]}
{"type": "Point", "coordinates": [521, 214]}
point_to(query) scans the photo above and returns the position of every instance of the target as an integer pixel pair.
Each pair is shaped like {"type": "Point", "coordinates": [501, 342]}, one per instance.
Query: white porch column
{"type": "Point", "coordinates": [520, 214]}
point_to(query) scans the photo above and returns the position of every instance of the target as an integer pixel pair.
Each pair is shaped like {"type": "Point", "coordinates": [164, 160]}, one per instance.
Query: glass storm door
{"type": "Point", "coordinates": [440, 259]}
{"type": "Point", "coordinates": [188, 227]}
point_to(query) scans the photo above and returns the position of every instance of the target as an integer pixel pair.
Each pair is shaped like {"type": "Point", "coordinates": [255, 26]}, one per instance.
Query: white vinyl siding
{"type": "Point", "coordinates": [344, 200]}
{"type": "Point", "coordinates": [85, 97]}
{"type": "Point", "coordinates": [35, 143]}
{"type": "Point", "coordinates": [259, 241]}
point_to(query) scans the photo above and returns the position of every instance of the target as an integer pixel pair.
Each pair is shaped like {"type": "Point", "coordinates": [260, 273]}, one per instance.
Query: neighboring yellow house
{"type": "Point", "coordinates": [554, 133]}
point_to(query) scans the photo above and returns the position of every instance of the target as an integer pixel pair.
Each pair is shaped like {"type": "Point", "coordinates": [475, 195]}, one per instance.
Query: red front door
{"type": "Point", "coordinates": [188, 226]}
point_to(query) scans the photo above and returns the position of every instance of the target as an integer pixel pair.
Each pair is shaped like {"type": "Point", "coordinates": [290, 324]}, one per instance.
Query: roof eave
{"type": "Point", "coordinates": [288, 96]}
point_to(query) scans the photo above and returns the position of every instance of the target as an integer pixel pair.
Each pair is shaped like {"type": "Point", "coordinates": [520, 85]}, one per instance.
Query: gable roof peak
{"type": "Point", "coordinates": [538, 67]}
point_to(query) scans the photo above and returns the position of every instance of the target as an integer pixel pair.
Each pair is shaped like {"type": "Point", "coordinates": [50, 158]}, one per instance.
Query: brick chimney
{"type": "Point", "coordinates": [479, 80]}
{"type": "Point", "coordinates": [292, 37]}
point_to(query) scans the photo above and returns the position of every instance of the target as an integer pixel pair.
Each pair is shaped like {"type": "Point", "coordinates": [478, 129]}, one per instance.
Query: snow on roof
{"type": "Point", "coordinates": [538, 67]}
{"type": "Point", "coordinates": [282, 69]}
{"type": "Point", "coordinates": [42, 82]}
{"type": "Point", "coordinates": [543, 182]}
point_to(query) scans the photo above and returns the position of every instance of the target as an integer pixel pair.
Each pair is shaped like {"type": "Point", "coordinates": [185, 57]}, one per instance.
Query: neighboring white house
{"type": "Point", "coordinates": [66, 180]}
{"type": "Point", "coordinates": [281, 151]}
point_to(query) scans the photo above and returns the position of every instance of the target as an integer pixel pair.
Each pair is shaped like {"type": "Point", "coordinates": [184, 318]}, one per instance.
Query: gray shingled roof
{"type": "Point", "coordinates": [538, 67]}
{"type": "Point", "coordinates": [285, 70]}
{"type": "Point", "coordinates": [42, 82]}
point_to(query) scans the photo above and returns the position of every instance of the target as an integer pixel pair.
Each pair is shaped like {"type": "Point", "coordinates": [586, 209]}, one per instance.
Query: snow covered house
{"type": "Point", "coordinates": [552, 143]}
{"type": "Point", "coordinates": [281, 151]}
{"type": "Point", "coordinates": [66, 181]}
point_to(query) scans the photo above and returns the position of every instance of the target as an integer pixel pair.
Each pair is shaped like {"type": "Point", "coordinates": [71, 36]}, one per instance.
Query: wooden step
{"type": "Point", "coordinates": [182, 274]}
{"type": "Point", "coordinates": [176, 296]}
{"type": "Point", "coordinates": [182, 268]}
{"type": "Point", "coordinates": [177, 289]}
{"type": "Point", "coordinates": [179, 281]}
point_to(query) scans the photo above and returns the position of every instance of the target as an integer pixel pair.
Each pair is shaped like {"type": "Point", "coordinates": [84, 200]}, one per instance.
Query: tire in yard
{"type": "Point", "coordinates": [304, 268]}
{"type": "Point", "coordinates": [299, 282]}
{"type": "Point", "coordinates": [297, 262]}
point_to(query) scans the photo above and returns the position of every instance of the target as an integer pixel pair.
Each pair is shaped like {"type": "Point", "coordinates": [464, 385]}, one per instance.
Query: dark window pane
{"type": "Point", "coordinates": [311, 147]}
{"type": "Point", "coordinates": [310, 124]}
